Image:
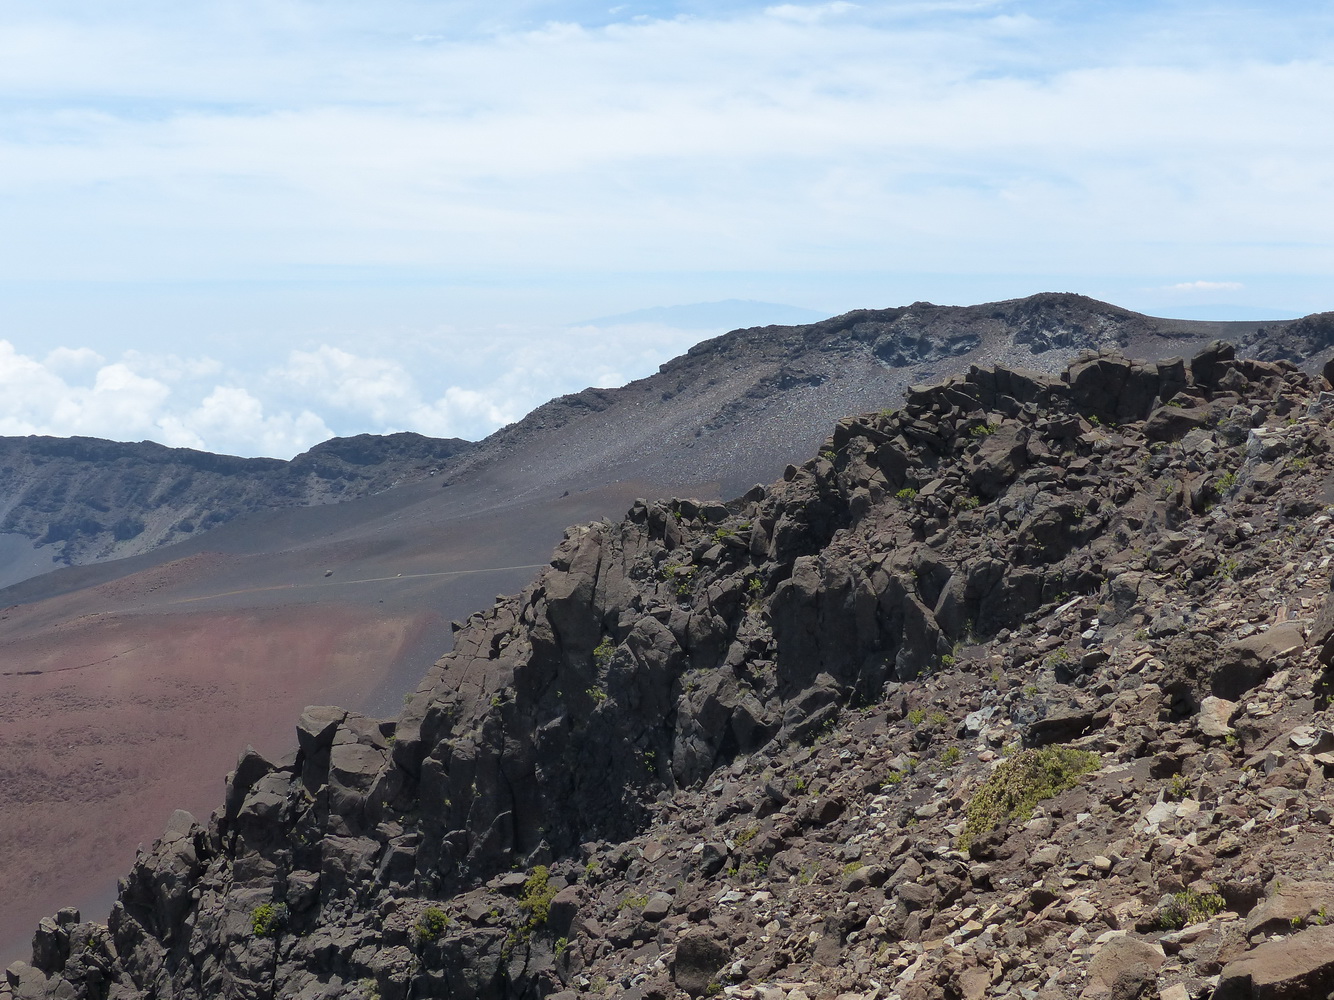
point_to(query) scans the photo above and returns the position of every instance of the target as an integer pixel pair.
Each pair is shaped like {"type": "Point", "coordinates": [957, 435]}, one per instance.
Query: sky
{"type": "Point", "coordinates": [247, 226]}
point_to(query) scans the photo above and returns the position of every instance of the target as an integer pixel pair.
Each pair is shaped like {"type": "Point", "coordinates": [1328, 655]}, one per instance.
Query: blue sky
{"type": "Point", "coordinates": [246, 226]}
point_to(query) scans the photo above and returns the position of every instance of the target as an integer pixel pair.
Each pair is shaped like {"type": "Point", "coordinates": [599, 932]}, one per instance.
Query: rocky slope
{"type": "Point", "coordinates": [90, 499]}
{"type": "Point", "coordinates": [1018, 691]}
{"type": "Point", "coordinates": [730, 405]}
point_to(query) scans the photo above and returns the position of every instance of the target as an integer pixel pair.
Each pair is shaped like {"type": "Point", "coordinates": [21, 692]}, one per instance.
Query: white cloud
{"type": "Point", "coordinates": [1207, 286]}
{"type": "Point", "coordinates": [376, 388]}
{"type": "Point", "coordinates": [809, 13]}
{"type": "Point", "coordinates": [540, 158]}
{"type": "Point", "coordinates": [230, 419]}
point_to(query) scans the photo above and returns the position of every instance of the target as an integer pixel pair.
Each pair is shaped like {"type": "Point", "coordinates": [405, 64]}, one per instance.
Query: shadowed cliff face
{"type": "Point", "coordinates": [412, 550]}
{"type": "Point", "coordinates": [1028, 660]}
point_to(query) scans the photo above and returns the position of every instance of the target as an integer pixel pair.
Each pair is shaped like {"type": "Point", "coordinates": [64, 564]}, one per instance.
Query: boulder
{"type": "Point", "coordinates": [1288, 969]}
{"type": "Point", "coordinates": [1172, 422]}
{"type": "Point", "coordinates": [1247, 662]}
{"type": "Point", "coordinates": [1291, 904]}
{"type": "Point", "coordinates": [1118, 957]}
{"type": "Point", "coordinates": [699, 959]}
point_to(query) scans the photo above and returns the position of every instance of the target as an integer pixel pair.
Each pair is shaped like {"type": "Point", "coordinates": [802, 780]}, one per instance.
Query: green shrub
{"type": "Point", "coordinates": [1020, 782]}
{"type": "Point", "coordinates": [916, 716]}
{"type": "Point", "coordinates": [431, 924]}
{"type": "Point", "coordinates": [1189, 907]}
{"type": "Point", "coordinates": [603, 653]}
{"type": "Point", "coordinates": [267, 919]}
{"type": "Point", "coordinates": [906, 494]}
{"type": "Point", "coordinates": [535, 900]}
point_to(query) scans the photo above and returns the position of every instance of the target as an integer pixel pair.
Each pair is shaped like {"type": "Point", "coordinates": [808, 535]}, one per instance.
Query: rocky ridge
{"type": "Point", "coordinates": [91, 499]}
{"type": "Point", "coordinates": [1018, 691]}
{"type": "Point", "coordinates": [725, 408]}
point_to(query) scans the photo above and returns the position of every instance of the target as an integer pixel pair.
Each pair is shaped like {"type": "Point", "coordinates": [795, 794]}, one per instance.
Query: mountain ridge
{"type": "Point", "coordinates": [350, 602]}
{"type": "Point", "coordinates": [1019, 690]}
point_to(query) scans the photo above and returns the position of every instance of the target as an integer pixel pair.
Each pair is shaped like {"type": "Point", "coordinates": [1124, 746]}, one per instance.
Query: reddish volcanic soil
{"type": "Point", "coordinates": [128, 689]}
{"type": "Point", "coordinates": [109, 723]}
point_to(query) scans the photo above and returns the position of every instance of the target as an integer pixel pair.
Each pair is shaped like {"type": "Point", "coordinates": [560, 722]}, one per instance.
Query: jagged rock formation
{"type": "Point", "coordinates": [1014, 692]}
{"type": "Point", "coordinates": [730, 405]}
{"type": "Point", "coordinates": [95, 499]}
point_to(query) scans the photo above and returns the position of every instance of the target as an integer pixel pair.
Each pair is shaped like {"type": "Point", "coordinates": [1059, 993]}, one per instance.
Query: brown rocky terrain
{"type": "Point", "coordinates": [290, 598]}
{"type": "Point", "coordinates": [1018, 690]}
{"type": "Point", "coordinates": [730, 407]}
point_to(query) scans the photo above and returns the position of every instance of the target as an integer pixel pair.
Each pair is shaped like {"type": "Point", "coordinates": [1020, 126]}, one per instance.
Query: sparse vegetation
{"type": "Point", "coordinates": [1020, 782]}
{"type": "Point", "coordinates": [603, 653]}
{"type": "Point", "coordinates": [1189, 907]}
{"type": "Point", "coordinates": [535, 900]}
{"type": "Point", "coordinates": [268, 919]}
{"type": "Point", "coordinates": [906, 495]}
{"type": "Point", "coordinates": [431, 924]}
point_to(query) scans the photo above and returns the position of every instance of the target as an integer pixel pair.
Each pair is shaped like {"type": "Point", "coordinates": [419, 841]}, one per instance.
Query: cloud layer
{"type": "Point", "coordinates": [538, 160]}
{"type": "Point", "coordinates": [310, 395]}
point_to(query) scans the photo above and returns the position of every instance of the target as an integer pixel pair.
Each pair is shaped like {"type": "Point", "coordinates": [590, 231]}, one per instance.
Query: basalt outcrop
{"type": "Point", "coordinates": [1016, 691]}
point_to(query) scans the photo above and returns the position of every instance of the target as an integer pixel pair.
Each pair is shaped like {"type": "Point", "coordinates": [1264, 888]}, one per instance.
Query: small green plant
{"type": "Point", "coordinates": [906, 495]}
{"type": "Point", "coordinates": [1231, 742]}
{"type": "Point", "coordinates": [894, 778]}
{"type": "Point", "coordinates": [951, 756]}
{"type": "Point", "coordinates": [1093, 419]}
{"type": "Point", "coordinates": [1020, 782]}
{"type": "Point", "coordinates": [722, 533]}
{"type": "Point", "coordinates": [1226, 482]}
{"type": "Point", "coordinates": [602, 655]}
{"type": "Point", "coordinates": [267, 919]}
{"type": "Point", "coordinates": [829, 454]}
{"type": "Point", "coordinates": [916, 716]}
{"type": "Point", "coordinates": [938, 718]}
{"type": "Point", "coordinates": [799, 784]}
{"type": "Point", "coordinates": [1298, 464]}
{"type": "Point", "coordinates": [536, 897]}
{"type": "Point", "coordinates": [967, 502]}
{"type": "Point", "coordinates": [636, 902]}
{"type": "Point", "coordinates": [852, 866]}
{"type": "Point", "coordinates": [597, 694]}
{"type": "Point", "coordinates": [431, 924]}
{"type": "Point", "coordinates": [984, 430]}
{"type": "Point", "coordinates": [1059, 658]}
{"type": "Point", "coordinates": [370, 989]}
{"type": "Point", "coordinates": [598, 984]}
{"type": "Point", "coordinates": [754, 595]}
{"type": "Point", "coordinates": [1179, 788]}
{"type": "Point", "coordinates": [746, 836]}
{"type": "Point", "coordinates": [1228, 567]}
{"type": "Point", "coordinates": [562, 945]}
{"type": "Point", "coordinates": [1189, 907]}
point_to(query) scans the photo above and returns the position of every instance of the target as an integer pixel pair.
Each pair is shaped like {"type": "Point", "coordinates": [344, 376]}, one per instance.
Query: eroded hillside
{"type": "Point", "coordinates": [1017, 691]}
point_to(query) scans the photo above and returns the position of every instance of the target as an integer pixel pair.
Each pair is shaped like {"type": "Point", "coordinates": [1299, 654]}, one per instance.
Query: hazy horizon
{"type": "Point", "coordinates": [250, 226]}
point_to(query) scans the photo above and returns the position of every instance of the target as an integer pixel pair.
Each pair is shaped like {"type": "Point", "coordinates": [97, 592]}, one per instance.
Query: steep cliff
{"type": "Point", "coordinates": [1015, 691]}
